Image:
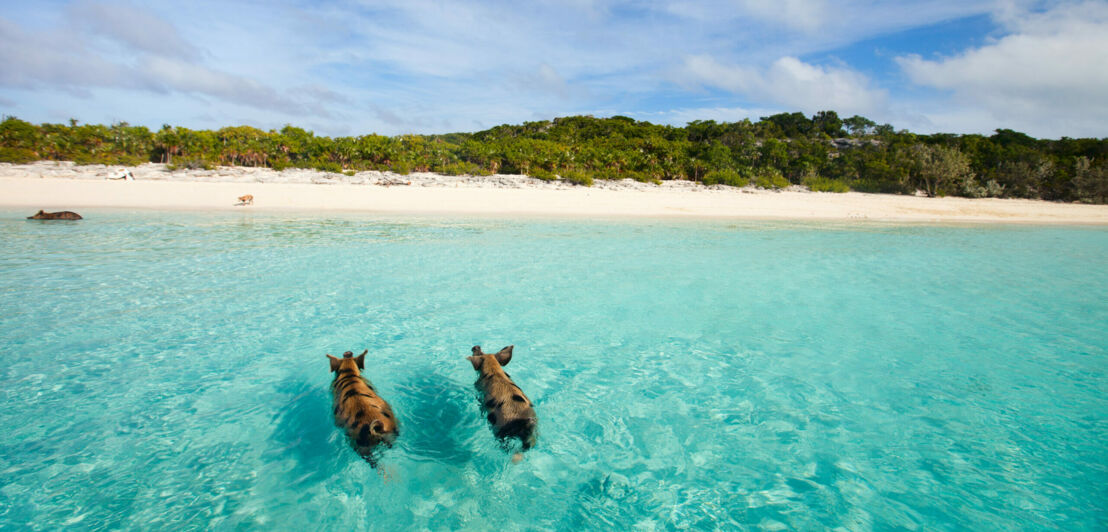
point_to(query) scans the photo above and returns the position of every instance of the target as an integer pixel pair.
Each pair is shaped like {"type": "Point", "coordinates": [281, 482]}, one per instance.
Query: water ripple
{"type": "Point", "coordinates": [167, 371]}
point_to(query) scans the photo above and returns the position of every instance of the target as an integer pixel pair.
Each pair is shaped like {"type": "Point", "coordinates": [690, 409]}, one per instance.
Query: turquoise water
{"type": "Point", "coordinates": [167, 371]}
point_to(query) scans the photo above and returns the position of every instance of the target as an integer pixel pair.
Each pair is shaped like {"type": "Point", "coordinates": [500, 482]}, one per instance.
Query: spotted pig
{"type": "Point", "coordinates": [60, 215]}
{"type": "Point", "coordinates": [508, 410]}
{"type": "Point", "coordinates": [366, 418]}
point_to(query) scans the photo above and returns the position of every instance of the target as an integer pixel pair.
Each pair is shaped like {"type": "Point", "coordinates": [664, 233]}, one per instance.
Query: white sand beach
{"type": "Point", "coordinates": [64, 186]}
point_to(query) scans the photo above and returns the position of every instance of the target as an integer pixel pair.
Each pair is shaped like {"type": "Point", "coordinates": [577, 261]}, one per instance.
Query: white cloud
{"type": "Point", "coordinates": [396, 66]}
{"type": "Point", "coordinates": [31, 58]}
{"type": "Point", "coordinates": [792, 83]}
{"type": "Point", "coordinates": [549, 80]}
{"type": "Point", "coordinates": [762, 30]}
{"type": "Point", "coordinates": [134, 27]}
{"type": "Point", "coordinates": [121, 46]}
{"type": "Point", "coordinates": [172, 75]}
{"type": "Point", "coordinates": [1048, 76]}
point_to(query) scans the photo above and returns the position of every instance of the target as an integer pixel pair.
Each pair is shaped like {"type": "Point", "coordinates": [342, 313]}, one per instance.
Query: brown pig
{"type": "Point", "coordinates": [366, 418]}
{"type": "Point", "coordinates": [508, 410]}
{"type": "Point", "coordinates": [60, 215]}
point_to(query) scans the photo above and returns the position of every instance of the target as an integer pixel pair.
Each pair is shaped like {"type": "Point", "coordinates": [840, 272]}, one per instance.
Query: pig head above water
{"type": "Point", "coordinates": [508, 410]}
{"type": "Point", "coordinates": [364, 416]}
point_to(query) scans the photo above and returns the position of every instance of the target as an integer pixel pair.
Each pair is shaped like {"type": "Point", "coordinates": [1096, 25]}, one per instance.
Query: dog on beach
{"type": "Point", "coordinates": [508, 410]}
{"type": "Point", "coordinates": [246, 200]}
{"type": "Point", "coordinates": [61, 215]}
{"type": "Point", "coordinates": [365, 417]}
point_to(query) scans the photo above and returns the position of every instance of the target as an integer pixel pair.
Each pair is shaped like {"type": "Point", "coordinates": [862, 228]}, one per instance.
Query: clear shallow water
{"type": "Point", "coordinates": [167, 371]}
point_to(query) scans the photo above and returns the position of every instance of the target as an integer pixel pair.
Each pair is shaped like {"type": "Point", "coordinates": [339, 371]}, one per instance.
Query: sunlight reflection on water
{"type": "Point", "coordinates": [168, 371]}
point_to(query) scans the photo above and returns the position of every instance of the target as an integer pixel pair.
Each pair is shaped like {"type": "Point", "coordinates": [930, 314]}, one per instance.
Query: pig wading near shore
{"type": "Point", "coordinates": [508, 410]}
{"type": "Point", "coordinates": [365, 417]}
{"type": "Point", "coordinates": [60, 215]}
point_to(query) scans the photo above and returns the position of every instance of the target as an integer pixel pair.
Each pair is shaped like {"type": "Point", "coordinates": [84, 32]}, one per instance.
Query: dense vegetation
{"type": "Point", "coordinates": [823, 152]}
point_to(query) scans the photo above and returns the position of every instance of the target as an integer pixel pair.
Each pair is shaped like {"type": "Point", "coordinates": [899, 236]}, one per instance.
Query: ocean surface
{"type": "Point", "coordinates": [166, 371]}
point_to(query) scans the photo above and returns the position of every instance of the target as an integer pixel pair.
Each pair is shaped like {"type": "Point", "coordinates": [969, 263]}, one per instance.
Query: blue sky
{"type": "Point", "coordinates": [431, 66]}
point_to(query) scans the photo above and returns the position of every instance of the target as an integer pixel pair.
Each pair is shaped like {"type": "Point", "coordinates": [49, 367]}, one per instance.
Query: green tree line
{"type": "Point", "coordinates": [823, 152]}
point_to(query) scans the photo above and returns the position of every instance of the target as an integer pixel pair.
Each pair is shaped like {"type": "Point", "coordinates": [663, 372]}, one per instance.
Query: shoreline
{"type": "Point", "coordinates": [64, 186]}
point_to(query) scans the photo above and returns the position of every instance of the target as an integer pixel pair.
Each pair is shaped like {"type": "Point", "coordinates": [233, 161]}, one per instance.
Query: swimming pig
{"type": "Point", "coordinates": [367, 419]}
{"type": "Point", "coordinates": [508, 409]}
{"type": "Point", "coordinates": [61, 215]}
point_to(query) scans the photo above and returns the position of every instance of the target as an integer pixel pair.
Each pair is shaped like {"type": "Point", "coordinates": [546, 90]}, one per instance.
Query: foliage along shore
{"type": "Point", "coordinates": [824, 153]}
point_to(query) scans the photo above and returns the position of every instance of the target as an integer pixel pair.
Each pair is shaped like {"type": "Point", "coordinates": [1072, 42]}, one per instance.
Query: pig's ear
{"type": "Point", "coordinates": [476, 361]}
{"type": "Point", "coordinates": [477, 351]}
{"type": "Point", "coordinates": [360, 360]}
{"type": "Point", "coordinates": [334, 363]}
{"type": "Point", "coordinates": [505, 355]}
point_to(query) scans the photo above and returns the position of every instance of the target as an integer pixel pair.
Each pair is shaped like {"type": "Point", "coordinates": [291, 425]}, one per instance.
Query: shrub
{"type": "Point", "coordinates": [84, 158]}
{"type": "Point", "coordinates": [327, 166]}
{"type": "Point", "coordinates": [643, 177]}
{"type": "Point", "coordinates": [824, 184]}
{"type": "Point", "coordinates": [17, 155]}
{"type": "Point", "coordinates": [539, 173]}
{"type": "Point", "coordinates": [878, 186]}
{"type": "Point", "coordinates": [463, 168]}
{"type": "Point", "coordinates": [131, 160]}
{"type": "Point", "coordinates": [726, 177]}
{"type": "Point", "coordinates": [577, 177]}
{"type": "Point", "coordinates": [970, 188]}
{"type": "Point", "coordinates": [348, 173]}
{"type": "Point", "coordinates": [770, 178]}
{"type": "Point", "coordinates": [454, 169]}
{"type": "Point", "coordinates": [401, 167]}
{"type": "Point", "coordinates": [606, 174]}
{"type": "Point", "coordinates": [108, 159]}
{"type": "Point", "coordinates": [994, 189]}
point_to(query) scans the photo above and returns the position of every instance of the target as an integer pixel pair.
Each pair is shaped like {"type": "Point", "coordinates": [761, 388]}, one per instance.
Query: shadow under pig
{"type": "Point", "coordinates": [438, 418]}
{"type": "Point", "coordinates": [304, 430]}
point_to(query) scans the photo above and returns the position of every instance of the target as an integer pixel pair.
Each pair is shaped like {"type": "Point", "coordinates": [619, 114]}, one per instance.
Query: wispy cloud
{"type": "Point", "coordinates": [133, 27]}
{"type": "Point", "coordinates": [800, 14]}
{"type": "Point", "coordinates": [122, 46]}
{"type": "Point", "coordinates": [397, 66]}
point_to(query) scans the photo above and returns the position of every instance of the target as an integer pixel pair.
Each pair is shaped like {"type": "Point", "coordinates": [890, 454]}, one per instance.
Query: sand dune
{"type": "Point", "coordinates": [61, 186]}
